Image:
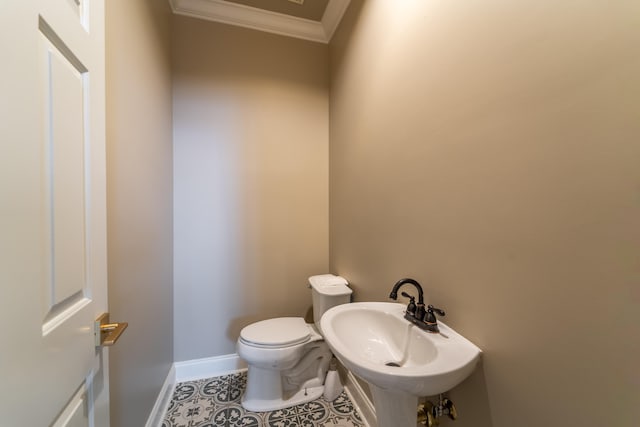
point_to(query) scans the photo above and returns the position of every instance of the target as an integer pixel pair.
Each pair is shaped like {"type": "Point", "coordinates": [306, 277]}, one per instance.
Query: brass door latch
{"type": "Point", "coordinates": [106, 333]}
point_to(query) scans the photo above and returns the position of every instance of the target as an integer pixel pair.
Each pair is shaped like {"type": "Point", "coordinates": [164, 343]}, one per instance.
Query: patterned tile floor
{"type": "Point", "coordinates": [215, 402]}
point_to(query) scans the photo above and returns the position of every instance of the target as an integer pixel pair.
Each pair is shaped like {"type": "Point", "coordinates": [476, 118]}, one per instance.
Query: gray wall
{"type": "Point", "coordinates": [490, 150]}
{"type": "Point", "coordinates": [139, 174]}
{"type": "Point", "coordinates": [250, 179]}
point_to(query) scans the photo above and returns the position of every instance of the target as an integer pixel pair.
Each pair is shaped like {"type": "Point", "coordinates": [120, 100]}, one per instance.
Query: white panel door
{"type": "Point", "coordinates": [52, 213]}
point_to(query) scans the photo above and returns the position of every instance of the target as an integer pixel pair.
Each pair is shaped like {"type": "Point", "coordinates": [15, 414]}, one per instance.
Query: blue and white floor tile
{"type": "Point", "coordinates": [215, 402]}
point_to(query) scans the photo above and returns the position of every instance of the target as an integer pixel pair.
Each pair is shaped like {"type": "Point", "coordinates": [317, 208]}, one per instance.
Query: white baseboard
{"type": "Point", "coordinates": [360, 400]}
{"type": "Point", "coordinates": [163, 400]}
{"type": "Point", "coordinates": [189, 370]}
{"type": "Point", "coordinates": [208, 367]}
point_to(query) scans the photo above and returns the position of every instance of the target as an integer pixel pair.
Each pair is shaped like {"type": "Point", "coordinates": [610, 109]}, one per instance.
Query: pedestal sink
{"type": "Point", "coordinates": [397, 359]}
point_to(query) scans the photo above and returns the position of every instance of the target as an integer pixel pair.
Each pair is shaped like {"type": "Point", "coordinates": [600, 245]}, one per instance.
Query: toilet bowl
{"type": "Point", "coordinates": [287, 357]}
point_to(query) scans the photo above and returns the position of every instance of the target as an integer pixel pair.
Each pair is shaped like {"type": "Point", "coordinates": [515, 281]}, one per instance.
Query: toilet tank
{"type": "Point", "coordinates": [327, 291]}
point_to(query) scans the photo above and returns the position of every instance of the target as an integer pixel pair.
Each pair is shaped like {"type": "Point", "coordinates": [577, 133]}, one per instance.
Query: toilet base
{"type": "Point", "coordinates": [276, 381]}
{"type": "Point", "coordinates": [302, 396]}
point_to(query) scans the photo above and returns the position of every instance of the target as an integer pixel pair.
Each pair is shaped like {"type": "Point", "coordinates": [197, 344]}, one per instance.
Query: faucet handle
{"type": "Point", "coordinates": [411, 308]}
{"type": "Point", "coordinates": [432, 309]}
{"type": "Point", "coordinates": [430, 318]}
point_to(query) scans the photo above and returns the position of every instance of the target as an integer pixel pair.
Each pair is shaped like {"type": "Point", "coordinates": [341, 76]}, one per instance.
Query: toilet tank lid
{"type": "Point", "coordinates": [329, 284]}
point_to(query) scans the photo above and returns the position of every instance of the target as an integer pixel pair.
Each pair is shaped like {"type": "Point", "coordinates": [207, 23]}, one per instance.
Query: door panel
{"type": "Point", "coordinates": [64, 93]}
{"type": "Point", "coordinates": [76, 413]}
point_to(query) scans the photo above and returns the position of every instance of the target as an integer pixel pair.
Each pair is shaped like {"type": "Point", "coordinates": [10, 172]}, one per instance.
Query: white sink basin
{"type": "Point", "coordinates": [375, 342]}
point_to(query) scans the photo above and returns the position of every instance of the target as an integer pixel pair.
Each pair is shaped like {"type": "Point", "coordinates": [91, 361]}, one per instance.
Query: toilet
{"type": "Point", "coordinates": [287, 357]}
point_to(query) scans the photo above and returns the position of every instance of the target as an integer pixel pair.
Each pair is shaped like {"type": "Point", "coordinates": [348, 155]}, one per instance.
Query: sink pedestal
{"type": "Point", "coordinates": [394, 408]}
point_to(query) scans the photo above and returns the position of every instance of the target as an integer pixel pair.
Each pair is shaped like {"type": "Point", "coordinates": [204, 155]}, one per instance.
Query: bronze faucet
{"type": "Point", "coordinates": [416, 313]}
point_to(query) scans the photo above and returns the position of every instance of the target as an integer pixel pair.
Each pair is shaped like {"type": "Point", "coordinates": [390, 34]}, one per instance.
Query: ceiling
{"type": "Point", "coordinates": [314, 20]}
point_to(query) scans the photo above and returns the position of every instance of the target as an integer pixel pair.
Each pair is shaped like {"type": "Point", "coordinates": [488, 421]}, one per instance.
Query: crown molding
{"type": "Point", "coordinates": [264, 20]}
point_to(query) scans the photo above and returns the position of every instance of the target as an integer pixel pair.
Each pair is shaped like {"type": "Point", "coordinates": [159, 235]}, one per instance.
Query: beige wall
{"type": "Point", "coordinates": [490, 150]}
{"type": "Point", "coordinates": [251, 180]}
{"type": "Point", "coordinates": [139, 161]}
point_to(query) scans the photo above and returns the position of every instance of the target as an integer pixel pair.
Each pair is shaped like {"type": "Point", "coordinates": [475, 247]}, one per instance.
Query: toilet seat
{"type": "Point", "coordinates": [276, 333]}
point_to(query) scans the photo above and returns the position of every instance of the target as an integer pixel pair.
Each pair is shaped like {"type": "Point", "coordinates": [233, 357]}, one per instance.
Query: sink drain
{"type": "Point", "coordinates": [394, 364]}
